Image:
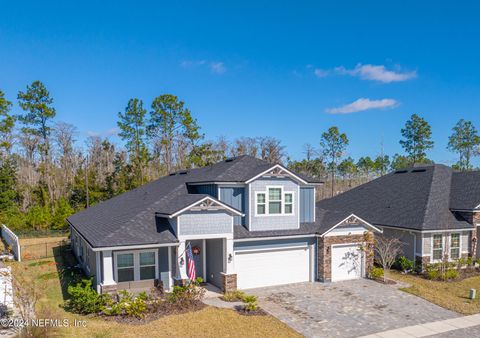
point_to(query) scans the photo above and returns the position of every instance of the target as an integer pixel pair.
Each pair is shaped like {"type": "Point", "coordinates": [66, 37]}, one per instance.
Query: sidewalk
{"type": "Point", "coordinates": [429, 329]}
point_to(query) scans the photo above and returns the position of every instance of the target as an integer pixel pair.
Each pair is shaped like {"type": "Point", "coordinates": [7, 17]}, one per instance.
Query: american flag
{"type": "Point", "coordinates": [191, 264]}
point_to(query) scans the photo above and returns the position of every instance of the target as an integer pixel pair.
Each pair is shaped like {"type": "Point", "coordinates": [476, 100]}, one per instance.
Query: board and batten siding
{"type": "Point", "coordinates": [307, 204]}
{"type": "Point", "coordinates": [163, 267]}
{"type": "Point", "coordinates": [274, 222]}
{"type": "Point", "coordinates": [205, 223]}
{"type": "Point", "coordinates": [234, 197]}
{"type": "Point", "coordinates": [208, 189]}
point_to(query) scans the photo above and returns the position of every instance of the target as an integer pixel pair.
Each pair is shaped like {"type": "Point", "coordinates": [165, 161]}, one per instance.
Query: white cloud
{"type": "Point", "coordinates": [363, 104]}
{"type": "Point", "coordinates": [320, 72]}
{"type": "Point", "coordinates": [218, 67]}
{"type": "Point", "coordinates": [377, 73]}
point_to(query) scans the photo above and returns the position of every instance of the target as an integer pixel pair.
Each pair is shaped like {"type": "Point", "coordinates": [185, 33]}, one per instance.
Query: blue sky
{"type": "Point", "coordinates": [288, 70]}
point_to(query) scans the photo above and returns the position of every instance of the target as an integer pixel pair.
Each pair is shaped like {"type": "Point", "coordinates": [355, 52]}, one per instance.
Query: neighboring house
{"type": "Point", "coordinates": [432, 209]}
{"type": "Point", "coordinates": [250, 223]}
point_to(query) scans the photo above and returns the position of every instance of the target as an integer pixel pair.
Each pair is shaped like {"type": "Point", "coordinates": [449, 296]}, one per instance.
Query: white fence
{"type": "Point", "coordinates": [12, 241]}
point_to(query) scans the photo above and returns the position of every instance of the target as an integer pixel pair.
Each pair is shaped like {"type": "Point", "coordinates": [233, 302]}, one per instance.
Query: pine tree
{"type": "Point", "coordinates": [464, 141]}
{"type": "Point", "coordinates": [132, 130]}
{"type": "Point", "coordinates": [417, 140]}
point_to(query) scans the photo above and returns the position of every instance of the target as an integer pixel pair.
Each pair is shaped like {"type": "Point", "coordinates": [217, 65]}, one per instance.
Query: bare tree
{"type": "Point", "coordinates": [309, 151]}
{"type": "Point", "coordinates": [387, 249]}
{"type": "Point", "coordinates": [271, 149]}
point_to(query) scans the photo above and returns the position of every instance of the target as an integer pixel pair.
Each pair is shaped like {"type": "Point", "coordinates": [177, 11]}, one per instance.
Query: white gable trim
{"type": "Point", "coordinates": [356, 217]}
{"type": "Point", "coordinates": [207, 198]}
{"type": "Point", "coordinates": [277, 166]}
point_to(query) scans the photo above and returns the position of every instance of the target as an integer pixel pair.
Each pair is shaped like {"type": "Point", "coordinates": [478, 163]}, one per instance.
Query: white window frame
{"type": "Point", "coordinates": [281, 200]}
{"type": "Point", "coordinates": [459, 245]}
{"type": "Point", "coordinates": [267, 201]}
{"type": "Point", "coordinates": [136, 264]}
{"type": "Point", "coordinates": [155, 255]}
{"type": "Point", "coordinates": [433, 248]}
{"type": "Point", "coordinates": [257, 204]}
{"type": "Point", "coordinates": [291, 203]}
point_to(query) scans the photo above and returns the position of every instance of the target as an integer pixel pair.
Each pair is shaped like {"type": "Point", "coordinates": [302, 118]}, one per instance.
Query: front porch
{"type": "Point", "coordinates": [214, 262]}
{"type": "Point", "coordinates": [141, 269]}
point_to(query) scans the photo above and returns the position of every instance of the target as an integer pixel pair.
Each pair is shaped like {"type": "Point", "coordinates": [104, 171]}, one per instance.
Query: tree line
{"type": "Point", "coordinates": [47, 175]}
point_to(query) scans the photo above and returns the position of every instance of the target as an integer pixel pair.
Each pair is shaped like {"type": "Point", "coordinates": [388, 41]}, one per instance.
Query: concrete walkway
{"type": "Point", "coordinates": [431, 329]}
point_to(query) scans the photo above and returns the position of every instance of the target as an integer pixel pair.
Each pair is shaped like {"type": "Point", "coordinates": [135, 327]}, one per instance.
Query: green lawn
{"type": "Point", "coordinates": [450, 295]}
{"type": "Point", "coordinates": [205, 323]}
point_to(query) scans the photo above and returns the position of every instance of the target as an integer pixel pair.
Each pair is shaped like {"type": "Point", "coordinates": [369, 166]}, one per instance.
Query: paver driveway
{"type": "Point", "coordinates": [346, 309]}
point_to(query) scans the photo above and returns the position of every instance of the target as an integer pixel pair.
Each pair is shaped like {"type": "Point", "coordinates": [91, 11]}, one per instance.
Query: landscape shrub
{"type": "Point", "coordinates": [442, 271]}
{"type": "Point", "coordinates": [451, 274]}
{"type": "Point", "coordinates": [128, 305]}
{"type": "Point", "coordinates": [84, 299]}
{"type": "Point", "coordinates": [250, 303]}
{"type": "Point", "coordinates": [187, 294]}
{"type": "Point", "coordinates": [233, 296]}
{"type": "Point", "coordinates": [375, 273]}
{"type": "Point", "coordinates": [404, 264]}
{"type": "Point", "coordinates": [433, 274]}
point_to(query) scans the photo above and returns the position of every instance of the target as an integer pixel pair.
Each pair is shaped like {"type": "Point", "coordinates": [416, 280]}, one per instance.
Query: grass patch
{"type": "Point", "coordinates": [40, 263]}
{"type": "Point", "coordinates": [48, 275]}
{"type": "Point", "coordinates": [208, 322]}
{"type": "Point", "coordinates": [450, 295]}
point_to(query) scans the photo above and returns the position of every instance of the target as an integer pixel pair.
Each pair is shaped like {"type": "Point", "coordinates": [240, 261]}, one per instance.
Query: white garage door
{"type": "Point", "coordinates": [347, 262]}
{"type": "Point", "coordinates": [276, 267]}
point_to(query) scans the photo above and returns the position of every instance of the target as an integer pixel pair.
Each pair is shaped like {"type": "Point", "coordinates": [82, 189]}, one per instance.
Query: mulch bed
{"type": "Point", "coordinates": [165, 309]}
{"type": "Point", "coordinates": [463, 273]}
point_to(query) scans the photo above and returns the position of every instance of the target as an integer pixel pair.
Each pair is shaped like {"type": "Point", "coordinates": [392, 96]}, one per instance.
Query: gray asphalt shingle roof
{"type": "Point", "coordinates": [465, 192]}
{"type": "Point", "coordinates": [417, 198]}
{"type": "Point", "coordinates": [130, 218]}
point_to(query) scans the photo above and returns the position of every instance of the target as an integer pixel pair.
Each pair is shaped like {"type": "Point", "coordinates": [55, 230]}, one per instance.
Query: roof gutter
{"type": "Point", "coordinates": [134, 247]}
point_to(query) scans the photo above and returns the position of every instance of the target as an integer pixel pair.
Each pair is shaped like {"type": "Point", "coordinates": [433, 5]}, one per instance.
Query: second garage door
{"type": "Point", "coordinates": [272, 267]}
{"type": "Point", "coordinates": [347, 262]}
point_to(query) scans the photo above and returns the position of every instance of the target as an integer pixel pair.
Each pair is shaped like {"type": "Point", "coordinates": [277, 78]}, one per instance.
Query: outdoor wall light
{"type": "Point", "coordinates": [182, 261]}
{"type": "Point", "coordinates": [230, 258]}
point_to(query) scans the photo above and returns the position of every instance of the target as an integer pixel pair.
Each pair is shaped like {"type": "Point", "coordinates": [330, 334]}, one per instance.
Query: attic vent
{"type": "Point", "coordinates": [172, 174]}
{"type": "Point", "coordinates": [230, 159]}
{"type": "Point", "coordinates": [401, 171]}
{"type": "Point", "coordinates": [183, 172]}
{"type": "Point", "coordinates": [418, 170]}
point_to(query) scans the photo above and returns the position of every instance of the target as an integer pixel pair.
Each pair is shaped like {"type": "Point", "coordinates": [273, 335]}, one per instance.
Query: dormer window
{"type": "Point", "coordinates": [288, 203]}
{"type": "Point", "coordinates": [274, 201]}
{"type": "Point", "coordinates": [261, 204]}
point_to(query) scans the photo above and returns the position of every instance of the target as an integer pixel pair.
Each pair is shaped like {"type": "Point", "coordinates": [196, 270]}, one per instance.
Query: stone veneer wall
{"type": "Point", "coordinates": [229, 282]}
{"type": "Point", "coordinates": [324, 251]}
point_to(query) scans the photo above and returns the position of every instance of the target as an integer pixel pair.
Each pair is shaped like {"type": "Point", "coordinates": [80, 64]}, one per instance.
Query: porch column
{"type": "Point", "coordinates": [108, 283]}
{"type": "Point", "coordinates": [229, 257]}
{"type": "Point", "coordinates": [181, 262]}
{"type": "Point", "coordinates": [229, 277]}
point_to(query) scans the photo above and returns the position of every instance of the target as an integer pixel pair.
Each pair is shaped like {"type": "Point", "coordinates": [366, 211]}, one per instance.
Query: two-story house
{"type": "Point", "coordinates": [250, 224]}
